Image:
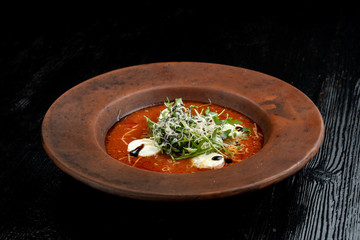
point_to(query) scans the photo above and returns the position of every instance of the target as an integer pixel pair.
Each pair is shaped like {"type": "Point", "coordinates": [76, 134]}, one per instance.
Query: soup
{"type": "Point", "coordinates": [183, 137]}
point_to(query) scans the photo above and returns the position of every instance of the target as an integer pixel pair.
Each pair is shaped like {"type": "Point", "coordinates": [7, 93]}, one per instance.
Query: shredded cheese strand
{"type": "Point", "coordinates": [128, 132]}
{"type": "Point", "coordinates": [181, 134]}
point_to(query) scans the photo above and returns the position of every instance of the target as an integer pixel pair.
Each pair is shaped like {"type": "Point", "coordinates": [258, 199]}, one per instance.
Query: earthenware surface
{"type": "Point", "coordinates": [74, 128]}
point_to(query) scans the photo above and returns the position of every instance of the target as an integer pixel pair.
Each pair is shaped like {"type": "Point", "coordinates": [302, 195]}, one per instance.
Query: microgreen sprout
{"type": "Point", "coordinates": [185, 132]}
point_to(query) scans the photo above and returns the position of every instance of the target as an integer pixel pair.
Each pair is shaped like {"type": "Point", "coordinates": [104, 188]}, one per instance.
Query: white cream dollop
{"type": "Point", "coordinates": [211, 160]}
{"type": "Point", "coordinates": [234, 130]}
{"type": "Point", "coordinates": [150, 148]}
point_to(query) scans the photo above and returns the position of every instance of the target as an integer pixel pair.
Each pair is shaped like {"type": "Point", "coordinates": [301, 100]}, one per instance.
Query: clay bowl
{"type": "Point", "coordinates": [75, 126]}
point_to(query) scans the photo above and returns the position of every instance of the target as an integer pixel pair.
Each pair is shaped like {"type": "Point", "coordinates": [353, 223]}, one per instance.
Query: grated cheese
{"type": "Point", "coordinates": [182, 134]}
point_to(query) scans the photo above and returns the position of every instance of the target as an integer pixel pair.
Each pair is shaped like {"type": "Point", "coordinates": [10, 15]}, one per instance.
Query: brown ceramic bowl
{"type": "Point", "coordinates": [75, 126]}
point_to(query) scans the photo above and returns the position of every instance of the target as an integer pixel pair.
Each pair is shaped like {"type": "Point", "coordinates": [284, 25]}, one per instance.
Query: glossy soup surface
{"type": "Point", "coordinates": [134, 126]}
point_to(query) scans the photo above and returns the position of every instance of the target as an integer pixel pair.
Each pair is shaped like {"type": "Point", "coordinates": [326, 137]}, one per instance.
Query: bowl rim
{"type": "Point", "coordinates": [137, 183]}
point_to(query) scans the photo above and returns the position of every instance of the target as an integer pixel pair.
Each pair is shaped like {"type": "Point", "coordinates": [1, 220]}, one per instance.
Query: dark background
{"type": "Point", "coordinates": [45, 50]}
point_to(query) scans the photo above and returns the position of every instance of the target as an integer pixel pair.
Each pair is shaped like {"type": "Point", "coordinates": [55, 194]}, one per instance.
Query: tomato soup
{"type": "Point", "coordinates": [135, 126]}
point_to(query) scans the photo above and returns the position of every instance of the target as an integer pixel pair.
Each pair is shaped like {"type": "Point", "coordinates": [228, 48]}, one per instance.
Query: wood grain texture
{"type": "Point", "coordinates": [327, 195]}
{"type": "Point", "coordinates": [317, 53]}
{"type": "Point", "coordinates": [327, 199]}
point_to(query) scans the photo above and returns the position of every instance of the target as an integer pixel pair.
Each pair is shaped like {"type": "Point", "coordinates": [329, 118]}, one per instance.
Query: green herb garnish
{"type": "Point", "coordinates": [185, 132]}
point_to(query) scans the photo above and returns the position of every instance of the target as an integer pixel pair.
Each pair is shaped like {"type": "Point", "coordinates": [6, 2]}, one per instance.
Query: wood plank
{"type": "Point", "coordinates": [328, 187]}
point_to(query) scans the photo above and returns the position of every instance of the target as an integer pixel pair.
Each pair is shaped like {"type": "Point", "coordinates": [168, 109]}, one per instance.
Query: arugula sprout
{"type": "Point", "coordinates": [184, 132]}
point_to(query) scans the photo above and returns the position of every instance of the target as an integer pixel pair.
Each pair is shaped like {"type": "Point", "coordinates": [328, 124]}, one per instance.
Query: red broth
{"type": "Point", "coordinates": [134, 126]}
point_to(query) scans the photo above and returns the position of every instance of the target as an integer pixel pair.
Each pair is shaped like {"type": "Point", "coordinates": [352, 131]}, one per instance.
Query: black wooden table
{"type": "Point", "coordinates": [316, 51]}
